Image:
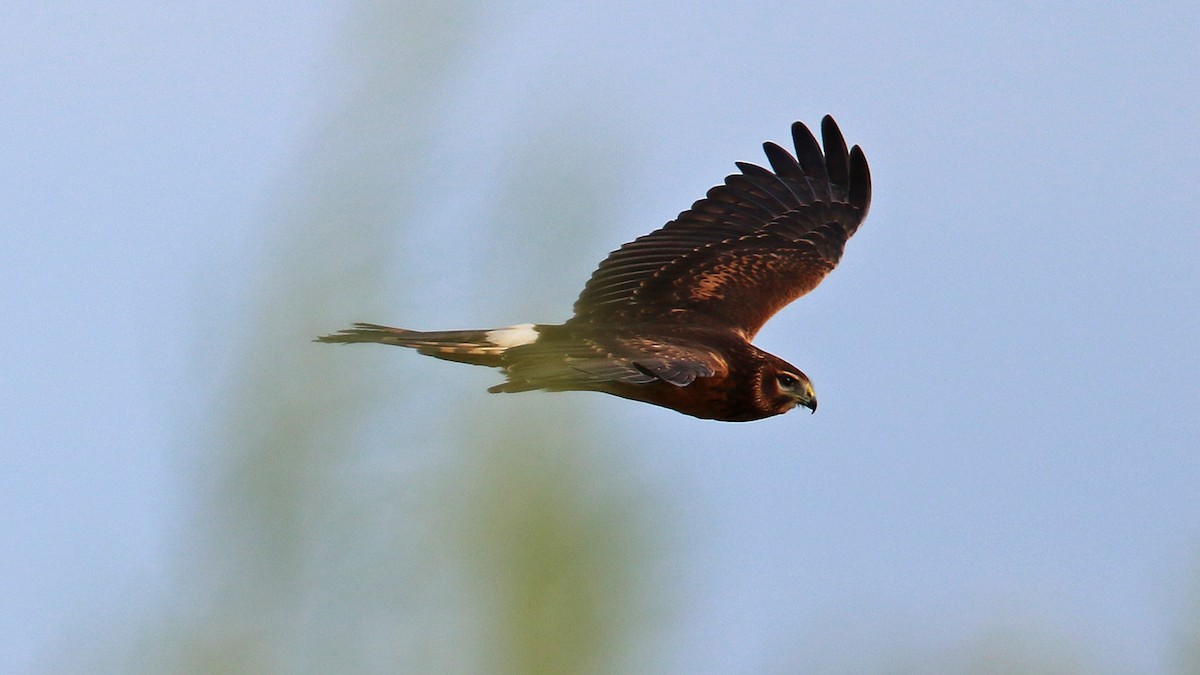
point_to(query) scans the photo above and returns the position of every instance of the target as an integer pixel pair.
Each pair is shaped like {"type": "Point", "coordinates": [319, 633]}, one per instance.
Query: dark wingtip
{"type": "Point", "coordinates": [807, 148]}
{"type": "Point", "coordinates": [812, 160]}
{"type": "Point", "coordinates": [782, 162]}
{"type": "Point", "coordinates": [837, 158]}
{"type": "Point", "coordinates": [860, 180]}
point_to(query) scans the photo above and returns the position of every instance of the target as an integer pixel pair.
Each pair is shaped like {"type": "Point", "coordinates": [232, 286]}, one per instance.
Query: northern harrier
{"type": "Point", "coordinates": [668, 318]}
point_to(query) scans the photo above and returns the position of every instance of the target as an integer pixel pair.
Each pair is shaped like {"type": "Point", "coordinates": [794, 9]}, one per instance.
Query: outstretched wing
{"type": "Point", "coordinates": [591, 363]}
{"type": "Point", "coordinates": [751, 246]}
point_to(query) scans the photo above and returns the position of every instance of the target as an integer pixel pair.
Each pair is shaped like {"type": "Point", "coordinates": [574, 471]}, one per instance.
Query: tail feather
{"type": "Point", "coordinates": [369, 332]}
{"type": "Point", "coordinates": [477, 347]}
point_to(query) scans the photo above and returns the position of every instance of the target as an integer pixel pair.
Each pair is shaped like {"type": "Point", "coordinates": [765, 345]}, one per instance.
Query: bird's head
{"type": "Point", "coordinates": [782, 387]}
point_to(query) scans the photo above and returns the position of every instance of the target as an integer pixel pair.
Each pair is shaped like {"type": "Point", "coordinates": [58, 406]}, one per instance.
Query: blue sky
{"type": "Point", "coordinates": [1006, 358]}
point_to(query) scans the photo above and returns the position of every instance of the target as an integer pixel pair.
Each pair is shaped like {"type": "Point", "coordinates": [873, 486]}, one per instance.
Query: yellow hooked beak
{"type": "Point", "coordinates": [807, 397]}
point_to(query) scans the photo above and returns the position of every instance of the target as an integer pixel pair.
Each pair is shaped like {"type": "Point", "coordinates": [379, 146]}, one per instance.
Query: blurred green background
{"type": "Point", "coordinates": [1001, 479]}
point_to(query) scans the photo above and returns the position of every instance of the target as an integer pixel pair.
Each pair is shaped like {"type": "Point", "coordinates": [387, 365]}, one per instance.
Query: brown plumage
{"type": "Point", "coordinates": [668, 318]}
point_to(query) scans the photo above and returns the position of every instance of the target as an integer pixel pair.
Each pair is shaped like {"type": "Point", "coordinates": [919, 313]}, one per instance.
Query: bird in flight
{"type": "Point", "coordinates": [668, 318]}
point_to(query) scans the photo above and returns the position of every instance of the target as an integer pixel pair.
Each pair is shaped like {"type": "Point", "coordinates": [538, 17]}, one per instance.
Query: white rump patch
{"type": "Point", "coordinates": [513, 336]}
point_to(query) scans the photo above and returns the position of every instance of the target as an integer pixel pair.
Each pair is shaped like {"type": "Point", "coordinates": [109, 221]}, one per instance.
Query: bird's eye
{"type": "Point", "coordinates": [786, 381]}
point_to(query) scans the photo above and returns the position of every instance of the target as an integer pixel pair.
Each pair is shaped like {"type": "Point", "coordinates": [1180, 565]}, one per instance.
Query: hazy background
{"type": "Point", "coordinates": [1003, 476]}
